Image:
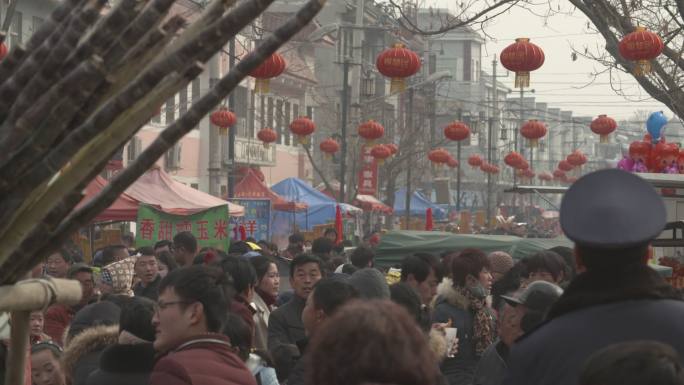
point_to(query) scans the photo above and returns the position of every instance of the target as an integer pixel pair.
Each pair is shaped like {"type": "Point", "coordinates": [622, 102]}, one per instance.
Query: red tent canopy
{"type": "Point", "coordinates": [158, 189]}
{"type": "Point", "coordinates": [252, 187]}
{"type": "Point", "coordinates": [371, 203]}
{"type": "Point", "coordinates": [123, 209]}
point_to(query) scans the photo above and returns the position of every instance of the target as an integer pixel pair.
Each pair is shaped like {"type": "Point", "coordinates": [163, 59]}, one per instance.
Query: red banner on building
{"type": "Point", "coordinates": [368, 172]}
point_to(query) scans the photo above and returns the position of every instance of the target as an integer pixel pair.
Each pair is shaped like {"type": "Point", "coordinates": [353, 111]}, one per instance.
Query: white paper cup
{"type": "Point", "coordinates": [451, 340]}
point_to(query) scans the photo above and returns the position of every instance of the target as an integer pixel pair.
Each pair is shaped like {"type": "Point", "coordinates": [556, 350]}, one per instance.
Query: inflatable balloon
{"type": "Point", "coordinates": [655, 123]}
{"type": "Point", "coordinates": [626, 164]}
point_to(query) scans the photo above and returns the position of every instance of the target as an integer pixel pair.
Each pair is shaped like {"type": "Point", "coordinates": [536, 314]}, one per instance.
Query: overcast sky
{"type": "Point", "coordinates": [559, 80]}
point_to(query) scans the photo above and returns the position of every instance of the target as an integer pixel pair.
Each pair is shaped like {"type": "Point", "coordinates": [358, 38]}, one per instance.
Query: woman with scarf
{"type": "Point", "coordinates": [266, 291]}
{"type": "Point", "coordinates": [463, 301]}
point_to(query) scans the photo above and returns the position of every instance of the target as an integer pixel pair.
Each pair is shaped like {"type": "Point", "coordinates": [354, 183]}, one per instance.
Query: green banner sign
{"type": "Point", "coordinates": [210, 227]}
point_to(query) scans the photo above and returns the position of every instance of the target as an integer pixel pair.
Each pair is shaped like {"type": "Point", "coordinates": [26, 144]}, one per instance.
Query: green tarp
{"type": "Point", "coordinates": [395, 245]}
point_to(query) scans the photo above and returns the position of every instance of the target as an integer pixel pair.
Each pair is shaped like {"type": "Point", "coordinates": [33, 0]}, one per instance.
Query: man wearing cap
{"type": "Point", "coordinates": [611, 216]}
{"type": "Point", "coordinates": [521, 314]}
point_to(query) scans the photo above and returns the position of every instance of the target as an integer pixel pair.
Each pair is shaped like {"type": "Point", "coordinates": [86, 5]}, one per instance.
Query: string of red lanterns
{"type": "Point", "coordinates": [603, 126]}
{"type": "Point", "coordinates": [223, 119]}
{"type": "Point", "coordinates": [267, 136]}
{"type": "Point", "coordinates": [381, 152]}
{"type": "Point", "coordinates": [398, 63]}
{"type": "Point", "coordinates": [522, 57]}
{"type": "Point", "coordinates": [641, 46]}
{"type": "Point", "coordinates": [302, 127]}
{"type": "Point", "coordinates": [329, 147]}
{"type": "Point", "coordinates": [273, 66]}
{"type": "Point", "coordinates": [371, 131]}
{"type": "Point", "coordinates": [533, 130]}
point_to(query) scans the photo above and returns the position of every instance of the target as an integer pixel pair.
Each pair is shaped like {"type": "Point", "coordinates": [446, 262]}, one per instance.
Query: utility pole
{"type": "Point", "coordinates": [214, 138]}
{"type": "Point", "coordinates": [458, 169]}
{"type": "Point", "coordinates": [343, 126]}
{"type": "Point", "coordinates": [409, 162]}
{"type": "Point", "coordinates": [494, 120]}
{"type": "Point", "coordinates": [231, 132]}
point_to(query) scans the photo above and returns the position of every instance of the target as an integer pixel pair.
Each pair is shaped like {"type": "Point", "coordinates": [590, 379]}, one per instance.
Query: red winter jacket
{"type": "Point", "coordinates": [57, 319]}
{"type": "Point", "coordinates": [204, 360]}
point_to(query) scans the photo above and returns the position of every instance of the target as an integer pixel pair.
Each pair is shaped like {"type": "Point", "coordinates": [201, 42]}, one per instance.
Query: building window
{"type": "Point", "coordinates": [195, 92]}
{"type": "Point", "coordinates": [279, 120]}
{"type": "Point", "coordinates": [182, 101]}
{"type": "Point", "coordinates": [286, 131]}
{"type": "Point", "coordinates": [16, 31]}
{"type": "Point", "coordinates": [37, 22]}
{"type": "Point", "coordinates": [170, 114]}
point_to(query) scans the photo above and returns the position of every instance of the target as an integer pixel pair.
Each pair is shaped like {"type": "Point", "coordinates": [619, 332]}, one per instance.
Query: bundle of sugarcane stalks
{"type": "Point", "coordinates": [82, 86]}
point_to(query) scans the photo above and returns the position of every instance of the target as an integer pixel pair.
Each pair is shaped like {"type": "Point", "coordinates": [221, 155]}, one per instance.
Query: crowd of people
{"type": "Point", "coordinates": [176, 314]}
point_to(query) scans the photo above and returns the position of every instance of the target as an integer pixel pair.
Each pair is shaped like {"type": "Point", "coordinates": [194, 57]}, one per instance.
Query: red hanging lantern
{"type": "Point", "coordinates": [452, 162]}
{"type": "Point", "coordinates": [559, 175]}
{"type": "Point", "coordinates": [475, 160]}
{"type": "Point", "coordinates": [329, 147]}
{"type": "Point", "coordinates": [603, 126]}
{"type": "Point", "coordinates": [394, 149]}
{"type": "Point", "coordinates": [457, 131]}
{"type": "Point", "coordinates": [380, 152]}
{"type": "Point", "coordinates": [514, 159]}
{"type": "Point", "coordinates": [493, 169]}
{"type": "Point", "coordinates": [576, 159]}
{"type": "Point", "coordinates": [270, 68]}
{"type": "Point", "coordinates": [439, 156]}
{"type": "Point", "coordinates": [533, 130]}
{"type": "Point", "coordinates": [545, 176]}
{"type": "Point", "coordinates": [371, 131]}
{"type": "Point", "coordinates": [565, 166]}
{"type": "Point", "coordinates": [398, 63]}
{"type": "Point", "coordinates": [3, 50]}
{"type": "Point", "coordinates": [302, 127]}
{"type": "Point", "coordinates": [223, 119]}
{"type": "Point", "coordinates": [267, 136]}
{"type": "Point", "coordinates": [523, 165]}
{"type": "Point", "coordinates": [641, 46]}
{"type": "Point", "coordinates": [522, 57]}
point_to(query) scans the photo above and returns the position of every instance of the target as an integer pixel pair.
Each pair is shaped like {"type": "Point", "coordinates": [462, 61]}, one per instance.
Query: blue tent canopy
{"type": "Point", "coordinates": [419, 205]}
{"type": "Point", "coordinates": [321, 208]}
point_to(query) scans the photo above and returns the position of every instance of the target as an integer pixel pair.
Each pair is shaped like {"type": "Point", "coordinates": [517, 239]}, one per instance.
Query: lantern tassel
{"type": "Point", "coordinates": [642, 67]}
{"type": "Point", "coordinates": [266, 145]}
{"type": "Point", "coordinates": [522, 79]}
{"type": "Point", "coordinates": [262, 86]}
{"type": "Point", "coordinates": [534, 142]}
{"type": "Point", "coordinates": [397, 85]}
{"type": "Point", "coordinates": [303, 139]}
{"type": "Point", "coordinates": [223, 131]}
{"type": "Point", "coordinates": [604, 139]}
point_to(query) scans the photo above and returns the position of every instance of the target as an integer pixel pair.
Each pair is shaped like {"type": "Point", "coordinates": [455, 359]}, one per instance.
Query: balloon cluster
{"type": "Point", "coordinates": [653, 153]}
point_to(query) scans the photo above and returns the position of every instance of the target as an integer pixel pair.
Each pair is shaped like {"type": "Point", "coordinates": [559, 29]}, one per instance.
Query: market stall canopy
{"type": "Point", "coordinates": [396, 245]}
{"type": "Point", "coordinates": [419, 205]}
{"type": "Point", "coordinates": [321, 208]}
{"type": "Point", "coordinates": [124, 207]}
{"type": "Point", "coordinates": [371, 203]}
{"type": "Point", "coordinates": [158, 189]}
{"type": "Point", "coordinates": [253, 188]}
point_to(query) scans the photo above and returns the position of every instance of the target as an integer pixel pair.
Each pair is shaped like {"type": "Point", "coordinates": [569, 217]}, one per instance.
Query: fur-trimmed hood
{"type": "Point", "coordinates": [447, 293]}
{"type": "Point", "coordinates": [88, 341]}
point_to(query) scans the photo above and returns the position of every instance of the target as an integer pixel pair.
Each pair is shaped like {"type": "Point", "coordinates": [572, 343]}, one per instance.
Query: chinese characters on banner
{"type": "Point", "coordinates": [257, 219]}
{"type": "Point", "coordinates": [210, 227]}
{"type": "Point", "coordinates": [368, 172]}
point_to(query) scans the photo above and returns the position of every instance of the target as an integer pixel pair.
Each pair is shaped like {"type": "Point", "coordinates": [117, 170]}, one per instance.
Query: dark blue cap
{"type": "Point", "coordinates": [612, 209]}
